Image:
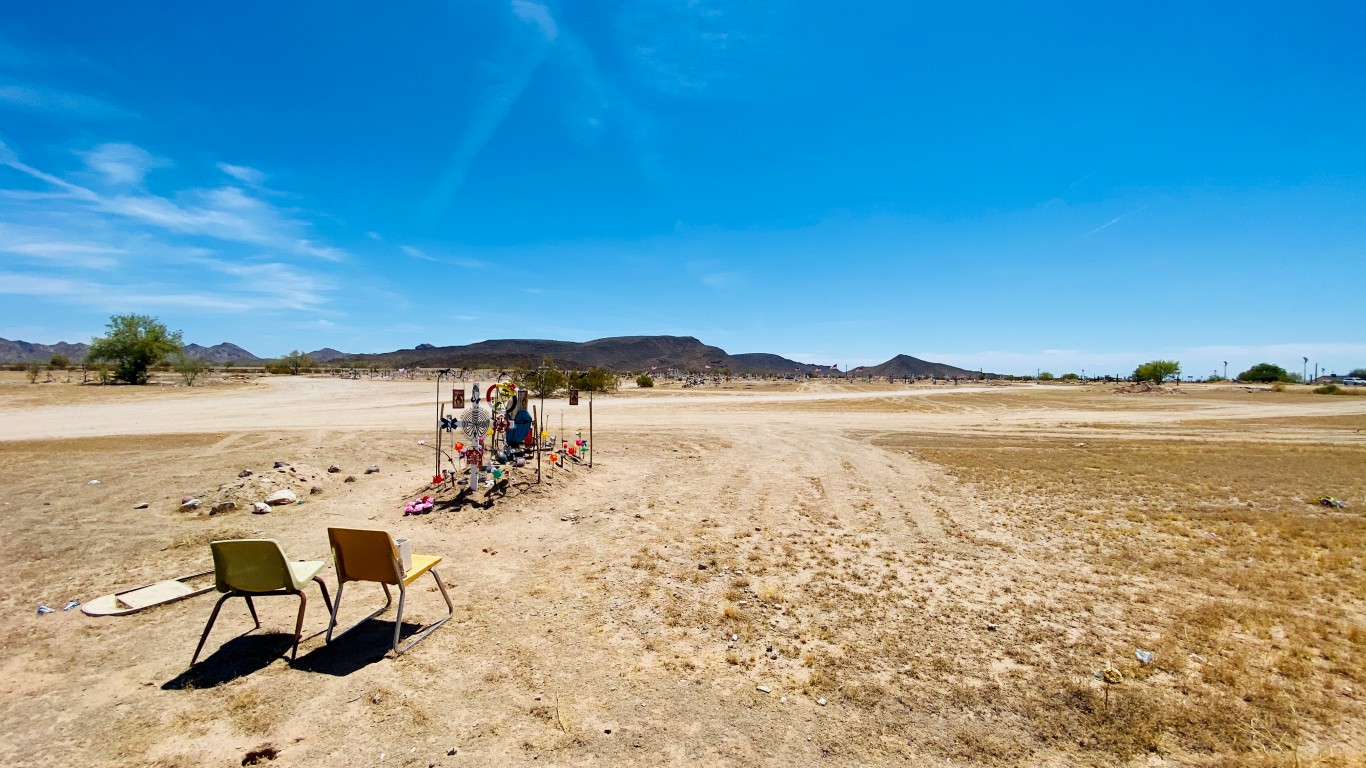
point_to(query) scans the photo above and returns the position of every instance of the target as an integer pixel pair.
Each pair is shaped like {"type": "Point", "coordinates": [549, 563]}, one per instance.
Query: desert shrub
{"type": "Point", "coordinates": [1327, 389]}
{"type": "Point", "coordinates": [135, 343]}
{"type": "Point", "coordinates": [189, 367]}
{"type": "Point", "coordinates": [60, 362]}
{"type": "Point", "coordinates": [1157, 371]}
{"type": "Point", "coordinates": [644, 380]}
{"type": "Point", "coordinates": [1070, 377]}
{"type": "Point", "coordinates": [33, 371]}
{"type": "Point", "coordinates": [1264, 373]}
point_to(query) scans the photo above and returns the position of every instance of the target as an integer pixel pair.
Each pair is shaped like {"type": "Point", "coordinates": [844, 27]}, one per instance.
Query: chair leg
{"type": "Point", "coordinates": [336, 608]}
{"type": "Point", "coordinates": [398, 619]}
{"type": "Point", "coordinates": [212, 618]}
{"type": "Point", "coordinates": [323, 586]}
{"type": "Point", "coordinates": [252, 607]}
{"type": "Point", "coordinates": [450, 611]}
{"type": "Point", "coordinates": [299, 625]}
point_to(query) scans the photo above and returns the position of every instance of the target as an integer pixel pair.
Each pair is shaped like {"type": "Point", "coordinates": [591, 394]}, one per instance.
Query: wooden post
{"type": "Point", "coordinates": [536, 428]}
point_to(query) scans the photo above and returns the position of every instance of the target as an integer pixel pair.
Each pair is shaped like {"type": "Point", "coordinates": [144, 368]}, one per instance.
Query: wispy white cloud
{"type": "Point", "coordinates": [42, 99]}
{"type": "Point", "coordinates": [457, 261]}
{"type": "Point", "coordinates": [134, 248]}
{"type": "Point", "coordinates": [415, 253]}
{"type": "Point", "coordinates": [507, 73]}
{"type": "Point", "coordinates": [122, 164]}
{"type": "Point", "coordinates": [243, 174]}
{"type": "Point", "coordinates": [538, 14]}
{"type": "Point", "coordinates": [1114, 221]}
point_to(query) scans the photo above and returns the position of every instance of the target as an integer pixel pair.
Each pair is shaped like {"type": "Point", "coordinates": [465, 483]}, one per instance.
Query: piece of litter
{"type": "Point", "coordinates": [93, 482]}
{"type": "Point", "coordinates": [763, 689]}
{"type": "Point", "coordinates": [71, 604]}
{"type": "Point", "coordinates": [42, 609]}
{"type": "Point", "coordinates": [1144, 657]}
{"type": "Point", "coordinates": [820, 702]}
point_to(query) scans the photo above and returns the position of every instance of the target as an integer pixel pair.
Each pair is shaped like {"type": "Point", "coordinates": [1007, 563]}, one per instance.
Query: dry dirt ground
{"type": "Point", "coordinates": [765, 574]}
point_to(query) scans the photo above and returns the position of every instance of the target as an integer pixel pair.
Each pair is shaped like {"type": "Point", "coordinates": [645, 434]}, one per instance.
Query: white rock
{"type": "Point", "coordinates": [763, 689]}
{"type": "Point", "coordinates": [260, 508]}
{"type": "Point", "coordinates": [820, 702]}
{"type": "Point", "coordinates": [281, 497]}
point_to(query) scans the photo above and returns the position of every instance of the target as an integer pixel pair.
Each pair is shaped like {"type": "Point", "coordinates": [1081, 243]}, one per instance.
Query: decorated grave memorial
{"type": "Point", "coordinates": [491, 445]}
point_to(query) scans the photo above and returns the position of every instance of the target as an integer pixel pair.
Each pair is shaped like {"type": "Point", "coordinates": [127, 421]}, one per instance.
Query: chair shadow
{"type": "Point", "coordinates": [238, 657]}
{"type": "Point", "coordinates": [365, 645]}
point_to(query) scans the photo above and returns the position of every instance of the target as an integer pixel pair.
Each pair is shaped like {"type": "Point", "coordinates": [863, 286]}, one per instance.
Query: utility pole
{"type": "Point", "coordinates": [1225, 369]}
{"type": "Point", "coordinates": [1305, 375]}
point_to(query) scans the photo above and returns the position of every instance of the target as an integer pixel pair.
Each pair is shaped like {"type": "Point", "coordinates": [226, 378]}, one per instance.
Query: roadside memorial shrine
{"type": "Point", "coordinates": [487, 444]}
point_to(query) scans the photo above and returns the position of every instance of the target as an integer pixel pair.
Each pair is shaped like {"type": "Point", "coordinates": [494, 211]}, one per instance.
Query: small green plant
{"type": "Point", "coordinates": [60, 362]}
{"type": "Point", "coordinates": [189, 367]}
{"type": "Point", "coordinates": [33, 370]}
{"type": "Point", "coordinates": [644, 380]}
{"type": "Point", "coordinates": [1157, 371]}
{"type": "Point", "coordinates": [1327, 389]}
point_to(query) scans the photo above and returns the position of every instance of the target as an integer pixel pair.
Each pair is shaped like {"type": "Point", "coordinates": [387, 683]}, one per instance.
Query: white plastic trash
{"type": "Point", "coordinates": [405, 553]}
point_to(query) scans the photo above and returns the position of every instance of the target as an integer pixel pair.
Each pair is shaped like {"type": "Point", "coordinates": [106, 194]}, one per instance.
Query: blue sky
{"type": "Point", "coordinates": [1063, 186]}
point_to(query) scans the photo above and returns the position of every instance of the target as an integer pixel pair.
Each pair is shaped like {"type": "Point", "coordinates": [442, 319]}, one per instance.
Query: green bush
{"type": "Point", "coordinates": [1158, 371]}
{"type": "Point", "coordinates": [1327, 389]}
{"type": "Point", "coordinates": [1264, 373]}
{"type": "Point", "coordinates": [644, 380]}
{"type": "Point", "coordinates": [135, 343]}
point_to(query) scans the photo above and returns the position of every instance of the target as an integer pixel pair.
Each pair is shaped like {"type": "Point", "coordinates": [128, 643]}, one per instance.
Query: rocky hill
{"type": "Point", "coordinates": [620, 353]}
{"type": "Point", "coordinates": [905, 366]}
{"type": "Point", "coordinates": [222, 353]}
{"type": "Point", "coordinates": [28, 352]}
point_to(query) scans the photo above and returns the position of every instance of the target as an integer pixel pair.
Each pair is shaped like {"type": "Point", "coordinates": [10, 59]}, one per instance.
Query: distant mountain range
{"type": "Point", "coordinates": [620, 353]}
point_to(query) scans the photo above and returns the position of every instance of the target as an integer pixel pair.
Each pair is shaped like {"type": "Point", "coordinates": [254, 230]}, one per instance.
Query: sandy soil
{"type": "Point", "coordinates": [765, 535]}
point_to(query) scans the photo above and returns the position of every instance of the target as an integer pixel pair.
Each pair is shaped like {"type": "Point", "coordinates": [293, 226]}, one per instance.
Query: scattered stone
{"type": "Point", "coordinates": [1081, 445]}
{"type": "Point", "coordinates": [373, 469]}
{"type": "Point", "coordinates": [280, 464]}
{"type": "Point", "coordinates": [334, 469]}
{"type": "Point", "coordinates": [223, 506]}
{"type": "Point", "coordinates": [281, 497]}
{"type": "Point", "coordinates": [140, 505]}
{"type": "Point", "coordinates": [734, 638]}
{"type": "Point", "coordinates": [820, 702]}
{"type": "Point", "coordinates": [260, 508]}
{"type": "Point", "coordinates": [763, 689]}
{"type": "Point", "coordinates": [350, 479]}
{"type": "Point", "coordinates": [992, 627]}
{"type": "Point", "coordinates": [315, 490]}
{"type": "Point", "coordinates": [189, 505]}
{"type": "Point", "coordinates": [569, 518]}
{"type": "Point", "coordinates": [783, 700]}
{"type": "Point", "coordinates": [245, 473]}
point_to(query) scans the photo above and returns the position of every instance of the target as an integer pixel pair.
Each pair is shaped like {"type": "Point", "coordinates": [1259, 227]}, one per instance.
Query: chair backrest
{"type": "Point", "coordinates": [364, 555]}
{"type": "Point", "coordinates": [250, 565]}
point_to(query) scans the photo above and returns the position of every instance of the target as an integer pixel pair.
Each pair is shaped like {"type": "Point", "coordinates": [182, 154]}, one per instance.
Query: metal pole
{"type": "Point", "coordinates": [592, 448]}
{"type": "Point", "coordinates": [438, 423]}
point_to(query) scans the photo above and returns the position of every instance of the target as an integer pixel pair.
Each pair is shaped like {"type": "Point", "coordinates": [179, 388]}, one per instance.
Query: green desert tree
{"type": "Point", "coordinates": [1157, 371]}
{"type": "Point", "coordinates": [1264, 373]}
{"type": "Point", "coordinates": [296, 361]}
{"type": "Point", "coordinates": [1045, 376]}
{"type": "Point", "coordinates": [34, 370]}
{"type": "Point", "coordinates": [60, 362]}
{"type": "Point", "coordinates": [1357, 373]}
{"type": "Point", "coordinates": [596, 380]}
{"type": "Point", "coordinates": [543, 380]}
{"type": "Point", "coordinates": [134, 344]}
{"type": "Point", "coordinates": [644, 380]}
{"type": "Point", "coordinates": [188, 366]}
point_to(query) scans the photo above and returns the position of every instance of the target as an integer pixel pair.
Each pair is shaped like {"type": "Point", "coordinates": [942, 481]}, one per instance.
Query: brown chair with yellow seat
{"type": "Point", "coordinates": [364, 555]}
{"type": "Point", "coordinates": [250, 568]}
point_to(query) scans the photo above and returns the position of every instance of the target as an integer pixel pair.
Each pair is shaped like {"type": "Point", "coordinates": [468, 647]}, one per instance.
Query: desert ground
{"type": "Point", "coordinates": [789, 574]}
